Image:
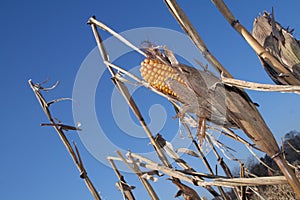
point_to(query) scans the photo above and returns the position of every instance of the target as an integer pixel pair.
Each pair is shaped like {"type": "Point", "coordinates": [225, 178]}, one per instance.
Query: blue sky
{"type": "Point", "coordinates": [50, 39]}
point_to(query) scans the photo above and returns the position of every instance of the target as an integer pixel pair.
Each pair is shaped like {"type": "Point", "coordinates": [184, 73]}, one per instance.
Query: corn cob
{"type": "Point", "coordinates": [157, 73]}
{"type": "Point", "coordinates": [281, 43]}
{"type": "Point", "coordinates": [226, 106]}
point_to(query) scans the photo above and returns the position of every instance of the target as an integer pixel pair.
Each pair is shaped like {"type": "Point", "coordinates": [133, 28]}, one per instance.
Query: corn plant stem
{"type": "Point", "coordinates": [119, 175]}
{"type": "Point", "coordinates": [117, 172]}
{"type": "Point", "coordinates": [288, 173]}
{"type": "Point", "coordinates": [201, 154]}
{"type": "Point", "coordinates": [259, 160]}
{"type": "Point", "coordinates": [92, 20]}
{"type": "Point", "coordinates": [124, 91]}
{"type": "Point", "coordinates": [137, 171]}
{"type": "Point", "coordinates": [65, 141]}
{"type": "Point", "coordinates": [83, 175]}
{"type": "Point", "coordinates": [229, 133]}
{"type": "Point", "coordinates": [243, 188]}
{"type": "Point", "coordinates": [223, 165]}
{"type": "Point", "coordinates": [260, 51]}
{"type": "Point", "coordinates": [294, 148]}
{"type": "Point", "coordinates": [100, 45]}
{"type": "Point", "coordinates": [281, 162]}
{"type": "Point", "coordinates": [184, 165]}
{"type": "Point", "coordinates": [197, 146]}
{"type": "Point", "coordinates": [220, 159]}
{"type": "Point", "coordinates": [260, 87]}
{"type": "Point", "coordinates": [257, 193]}
{"type": "Point", "coordinates": [202, 157]}
{"type": "Point", "coordinates": [186, 25]}
{"type": "Point", "coordinates": [226, 182]}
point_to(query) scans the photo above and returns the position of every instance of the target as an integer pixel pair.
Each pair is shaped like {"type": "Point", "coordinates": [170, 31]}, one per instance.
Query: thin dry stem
{"type": "Point", "coordinates": [197, 146]}
{"type": "Point", "coordinates": [129, 195]}
{"type": "Point", "coordinates": [229, 133]}
{"type": "Point", "coordinates": [201, 155]}
{"type": "Point", "coordinates": [122, 87]}
{"type": "Point", "coordinates": [294, 148]}
{"type": "Point", "coordinates": [187, 26]}
{"type": "Point", "coordinates": [92, 20]}
{"type": "Point", "coordinates": [226, 182]}
{"type": "Point", "coordinates": [58, 127]}
{"type": "Point", "coordinates": [243, 188]}
{"type": "Point", "coordinates": [223, 164]}
{"type": "Point", "coordinates": [259, 160]}
{"type": "Point", "coordinates": [259, 86]}
{"type": "Point", "coordinates": [138, 172]}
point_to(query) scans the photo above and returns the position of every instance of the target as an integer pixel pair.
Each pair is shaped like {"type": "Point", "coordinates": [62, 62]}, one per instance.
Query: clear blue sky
{"type": "Point", "coordinates": [41, 39]}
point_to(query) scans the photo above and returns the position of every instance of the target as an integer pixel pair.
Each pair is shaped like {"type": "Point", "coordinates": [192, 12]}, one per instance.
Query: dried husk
{"type": "Point", "coordinates": [281, 44]}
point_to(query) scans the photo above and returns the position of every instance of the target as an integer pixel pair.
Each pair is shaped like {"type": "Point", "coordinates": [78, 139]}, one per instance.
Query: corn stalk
{"type": "Point", "coordinates": [60, 128]}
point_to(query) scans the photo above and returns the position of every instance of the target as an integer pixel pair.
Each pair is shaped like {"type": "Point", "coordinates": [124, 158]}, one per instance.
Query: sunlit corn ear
{"type": "Point", "coordinates": [157, 73]}
{"type": "Point", "coordinates": [281, 44]}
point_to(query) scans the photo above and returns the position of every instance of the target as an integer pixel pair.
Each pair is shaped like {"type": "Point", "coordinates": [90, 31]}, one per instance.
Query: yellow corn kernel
{"type": "Point", "coordinates": [156, 73]}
